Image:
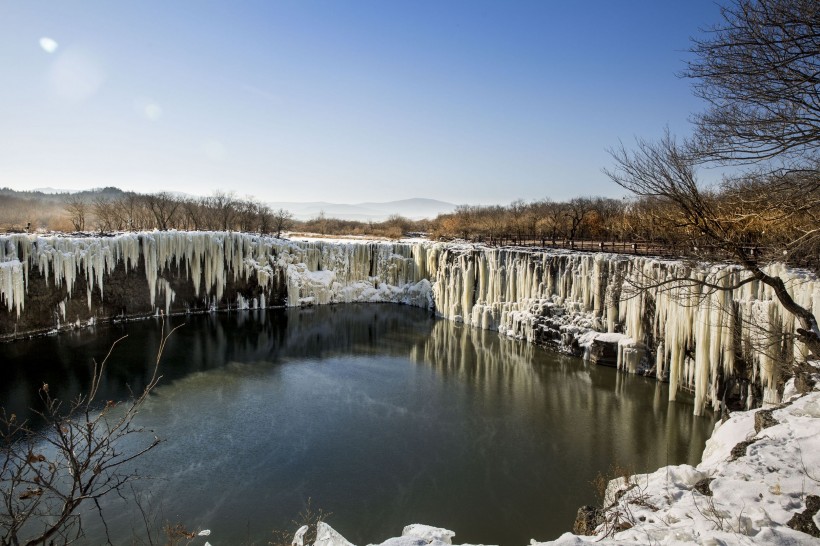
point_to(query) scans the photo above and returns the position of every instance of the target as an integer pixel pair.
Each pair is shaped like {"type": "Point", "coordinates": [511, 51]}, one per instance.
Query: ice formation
{"type": "Point", "coordinates": [313, 272]}
{"type": "Point", "coordinates": [412, 535]}
{"type": "Point", "coordinates": [695, 332]}
{"type": "Point", "coordinates": [692, 334]}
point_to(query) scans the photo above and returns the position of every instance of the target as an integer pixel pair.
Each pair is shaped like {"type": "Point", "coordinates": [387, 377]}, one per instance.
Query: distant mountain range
{"type": "Point", "coordinates": [415, 209]}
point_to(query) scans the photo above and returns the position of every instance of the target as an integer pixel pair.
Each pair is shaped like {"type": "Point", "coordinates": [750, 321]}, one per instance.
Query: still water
{"type": "Point", "coordinates": [379, 414]}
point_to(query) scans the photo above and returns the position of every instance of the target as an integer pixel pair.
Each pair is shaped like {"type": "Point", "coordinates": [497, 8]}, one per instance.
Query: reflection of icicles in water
{"type": "Point", "coordinates": [471, 354]}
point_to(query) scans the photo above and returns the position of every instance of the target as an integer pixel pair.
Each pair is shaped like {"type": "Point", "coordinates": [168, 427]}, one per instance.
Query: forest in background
{"type": "Point", "coordinates": [770, 227]}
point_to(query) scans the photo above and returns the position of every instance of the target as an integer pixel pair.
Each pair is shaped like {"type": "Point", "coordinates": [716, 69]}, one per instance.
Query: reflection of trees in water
{"type": "Point", "coordinates": [269, 337]}
{"type": "Point", "coordinates": [357, 329]}
{"type": "Point", "coordinates": [315, 332]}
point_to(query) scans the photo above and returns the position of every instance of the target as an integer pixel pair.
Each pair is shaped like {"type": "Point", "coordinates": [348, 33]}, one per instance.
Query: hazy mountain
{"type": "Point", "coordinates": [52, 190]}
{"type": "Point", "coordinates": [415, 209]}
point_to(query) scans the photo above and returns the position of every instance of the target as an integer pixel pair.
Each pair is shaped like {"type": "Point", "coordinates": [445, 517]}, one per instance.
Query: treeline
{"type": "Point", "coordinates": [38, 210]}
{"type": "Point", "coordinates": [543, 221]}
{"type": "Point", "coordinates": [395, 227]}
{"type": "Point", "coordinates": [163, 211]}
{"type": "Point", "coordinates": [771, 216]}
{"type": "Point", "coordinates": [110, 209]}
{"type": "Point", "coordinates": [759, 213]}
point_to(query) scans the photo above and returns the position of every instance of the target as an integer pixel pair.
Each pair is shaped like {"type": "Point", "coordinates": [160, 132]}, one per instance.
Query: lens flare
{"type": "Point", "coordinates": [48, 45]}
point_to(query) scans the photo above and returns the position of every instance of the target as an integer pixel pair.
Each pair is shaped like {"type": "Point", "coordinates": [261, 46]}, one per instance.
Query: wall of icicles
{"type": "Point", "coordinates": [661, 318]}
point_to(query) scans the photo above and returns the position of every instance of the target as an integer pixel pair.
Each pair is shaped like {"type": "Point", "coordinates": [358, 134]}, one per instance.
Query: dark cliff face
{"type": "Point", "coordinates": [125, 295]}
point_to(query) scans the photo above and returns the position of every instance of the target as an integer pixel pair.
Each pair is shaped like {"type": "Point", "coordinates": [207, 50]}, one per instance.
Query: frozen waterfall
{"type": "Point", "coordinates": [655, 311]}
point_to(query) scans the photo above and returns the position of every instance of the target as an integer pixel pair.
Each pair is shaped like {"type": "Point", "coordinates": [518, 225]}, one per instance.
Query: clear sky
{"type": "Point", "coordinates": [465, 101]}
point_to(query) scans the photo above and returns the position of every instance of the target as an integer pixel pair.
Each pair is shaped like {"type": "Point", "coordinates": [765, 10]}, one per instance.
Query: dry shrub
{"type": "Point", "coordinates": [309, 516]}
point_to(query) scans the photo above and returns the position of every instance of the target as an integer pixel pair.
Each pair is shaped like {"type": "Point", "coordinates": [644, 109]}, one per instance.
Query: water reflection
{"type": "Point", "coordinates": [381, 414]}
{"type": "Point", "coordinates": [595, 398]}
{"type": "Point", "coordinates": [204, 342]}
{"type": "Point", "coordinates": [554, 421]}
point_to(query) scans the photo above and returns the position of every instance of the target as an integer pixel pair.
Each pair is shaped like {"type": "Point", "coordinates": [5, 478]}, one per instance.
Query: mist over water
{"type": "Point", "coordinates": [380, 414]}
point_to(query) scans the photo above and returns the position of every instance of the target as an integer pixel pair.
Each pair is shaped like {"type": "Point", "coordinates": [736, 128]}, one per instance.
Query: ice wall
{"type": "Point", "coordinates": [669, 321]}
{"type": "Point", "coordinates": [664, 319]}
{"type": "Point", "coordinates": [312, 272]}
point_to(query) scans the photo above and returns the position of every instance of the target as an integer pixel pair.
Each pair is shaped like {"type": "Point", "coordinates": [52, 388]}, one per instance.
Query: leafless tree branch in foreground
{"type": "Point", "coordinates": [75, 455]}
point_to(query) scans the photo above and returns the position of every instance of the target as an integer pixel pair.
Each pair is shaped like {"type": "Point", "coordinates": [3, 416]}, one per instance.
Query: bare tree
{"type": "Point", "coordinates": [105, 211]}
{"type": "Point", "coordinates": [222, 208]}
{"type": "Point", "coordinates": [247, 214]}
{"type": "Point", "coordinates": [517, 219]}
{"type": "Point", "coordinates": [759, 71]}
{"type": "Point", "coordinates": [665, 170]}
{"type": "Point", "coordinates": [556, 213]}
{"type": "Point", "coordinates": [606, 212]}
{"type": "Point", "coordinates": [281, 220]}
{"type": "Point", "coordinates": [494, 223]}
{"type": "Point", "coordinates": [265, 219]}
{"type": "Point", "coordinates": [576, 212]}
{"type": "Point", "coordinates": [78, 454]}
{"type": "Point", "coordinates": [128, 210]}
{"type": "Point", "coordinates": [163, 206]}
{"type": "Point", "coordinates": [77, 209]}
{"type": "Point", "coordinates": [529, 219]}
{"type": "Point", "coordinates": [193, 213]}
{"type": "Point", "coordinates": [466, 216]}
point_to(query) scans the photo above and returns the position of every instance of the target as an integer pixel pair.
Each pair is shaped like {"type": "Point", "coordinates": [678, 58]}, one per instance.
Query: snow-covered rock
{"type": "Point", "coordinates": [415, 534]}
{"type": "Point", "coordinates": [328, 536]}
{"type": "Point", "coordinates": [428, 534]}
{"type": "Point", "coordinates": [734, 496]}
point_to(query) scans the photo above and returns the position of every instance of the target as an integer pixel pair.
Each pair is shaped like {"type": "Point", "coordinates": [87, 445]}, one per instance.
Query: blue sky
{"type": "Point", "coordinates": [342, 101]}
